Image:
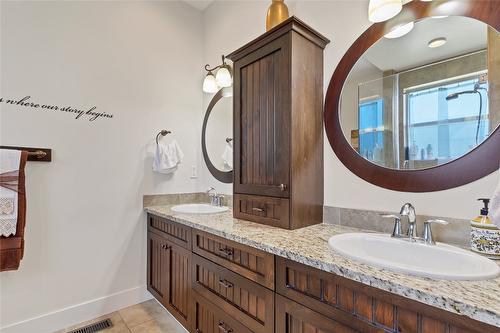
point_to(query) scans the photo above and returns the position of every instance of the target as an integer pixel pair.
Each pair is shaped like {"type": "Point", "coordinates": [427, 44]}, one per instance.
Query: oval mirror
{"type": "Point", "coordinates": [419, 107]}
{"type": "Point", "coordinates": [217, 136]}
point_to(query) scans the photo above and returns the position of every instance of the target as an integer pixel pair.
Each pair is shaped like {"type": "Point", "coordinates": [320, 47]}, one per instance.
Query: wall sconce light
{"type": "Point", "coordinates": [222, 78]}
{"type": "Point", "coordinates": [383, 10]}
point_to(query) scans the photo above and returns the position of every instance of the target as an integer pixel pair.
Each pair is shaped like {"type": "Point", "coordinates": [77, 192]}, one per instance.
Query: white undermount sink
{"type": "Point", "coordinates": [438, 261]}
{"type": "Point", "coordinates": [198, 208]}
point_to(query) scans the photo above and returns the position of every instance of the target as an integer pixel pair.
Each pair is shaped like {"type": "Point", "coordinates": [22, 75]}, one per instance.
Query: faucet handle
{"type": "Point", "coordinates": [390, 216]}
{"type": "Point", "coordinates": [427, 235]}
{"type": "Point", "coordinates": [438, 221]}
{"type": "Point", "coordinates": [397, 230]}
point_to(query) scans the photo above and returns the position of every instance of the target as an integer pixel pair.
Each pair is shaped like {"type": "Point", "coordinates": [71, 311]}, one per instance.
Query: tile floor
{"type": "Point", "coordinates": [146, 317]}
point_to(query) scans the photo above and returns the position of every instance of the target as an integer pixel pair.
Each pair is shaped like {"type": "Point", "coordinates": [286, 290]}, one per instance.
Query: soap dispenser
{"type": "Point", "coordinates": [484, 235]}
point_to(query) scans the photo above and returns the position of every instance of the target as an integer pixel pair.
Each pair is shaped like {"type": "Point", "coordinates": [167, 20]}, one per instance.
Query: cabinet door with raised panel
{"type": "Point", "coordinates": [262, 120]}
{"type": "Point", "coordinates": [179, 285]}
{"type": "Point", "coordinates": [157, 267]}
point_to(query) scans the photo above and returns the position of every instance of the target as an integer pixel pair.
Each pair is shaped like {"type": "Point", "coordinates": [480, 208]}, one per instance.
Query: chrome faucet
{"type": "Point", "coordinates": [215, 199]}
{"type": "Point", "coordinates": [409, 212]}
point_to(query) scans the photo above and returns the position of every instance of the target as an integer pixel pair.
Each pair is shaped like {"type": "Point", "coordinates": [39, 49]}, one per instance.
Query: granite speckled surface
{"type": "Point", "coordinates": [479, 300]}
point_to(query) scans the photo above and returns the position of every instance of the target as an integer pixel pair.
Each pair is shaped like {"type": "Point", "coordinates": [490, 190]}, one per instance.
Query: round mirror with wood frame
{"type": "Point", "coordinates": [477, 163]}
{"type": "Point", "coordinates": [220, 175]}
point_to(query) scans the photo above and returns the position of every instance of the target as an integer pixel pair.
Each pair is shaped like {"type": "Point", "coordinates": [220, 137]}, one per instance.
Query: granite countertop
{"type": "Point", "coordinates": [479, 300]}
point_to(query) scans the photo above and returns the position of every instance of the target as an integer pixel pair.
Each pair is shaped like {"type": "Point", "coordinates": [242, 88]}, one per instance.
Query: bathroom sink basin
{"type": "Point", "coordinates": [199, 208]}
{"type": "Point", "coordinates": [438, 261]}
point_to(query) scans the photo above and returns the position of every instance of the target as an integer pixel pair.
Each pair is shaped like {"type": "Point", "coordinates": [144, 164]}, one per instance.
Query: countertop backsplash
{"type": "Point", "coordinates": [456, 232]}
{"type": "Point", "coordinates": [182, 198]}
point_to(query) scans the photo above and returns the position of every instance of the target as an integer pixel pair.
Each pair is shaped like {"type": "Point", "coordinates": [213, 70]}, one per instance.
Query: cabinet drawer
{"type": "Point", "coordinates": [246, 301]}
{"type": "Point", "coordinates": [365, 308]}
{"type": "Point", "coordinates": [253, 264]}
{"type": "Point", "coordinates": [292, 317]}
{"type": "Point", "coordinates": [174, 232]}
{"type": "Point", "coordinates": [208, 318]}
{"type": "Point", "coordinates": [265, 210]}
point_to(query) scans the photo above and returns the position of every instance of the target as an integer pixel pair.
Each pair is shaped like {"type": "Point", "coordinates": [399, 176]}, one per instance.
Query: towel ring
{"type": "Point", "coordinates": [162, 133]}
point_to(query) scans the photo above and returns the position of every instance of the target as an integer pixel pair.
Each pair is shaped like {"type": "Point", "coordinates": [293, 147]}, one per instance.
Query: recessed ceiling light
{"type": "Point", "coordinates": [437, 42]}
{"type": "Point", "coordinates": [400, 31]}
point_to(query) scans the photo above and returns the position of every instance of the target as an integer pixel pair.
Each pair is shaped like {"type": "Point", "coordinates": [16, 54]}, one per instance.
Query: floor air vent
{"type": "Point", "coordinates": [95, 327]}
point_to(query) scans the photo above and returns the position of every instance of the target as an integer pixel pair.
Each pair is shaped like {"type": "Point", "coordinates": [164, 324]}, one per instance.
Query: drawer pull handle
{"type": "Point", "coordinates": [256, 209]}
{"type": "Point", "coordinates": [223, 328]}
{"type": "Point", "coordinates": [226, 252]}
{"type": "Point", "coordinates": [225, 283]}
{"type": "Point", "coordinates": [282, 187]}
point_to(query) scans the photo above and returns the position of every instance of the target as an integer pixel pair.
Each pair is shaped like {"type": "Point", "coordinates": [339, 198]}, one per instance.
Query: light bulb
{"type": "Point", "coordinates": [223, 77]}
{"type": "Point", "coordinates": [382, 10]}
{"type": "Point", "coordinates": [400, 31]}
{"type": "Point", "coordinates": [209, 84]}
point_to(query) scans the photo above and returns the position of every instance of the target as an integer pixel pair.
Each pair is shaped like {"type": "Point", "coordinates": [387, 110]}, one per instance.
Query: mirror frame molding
{"type": "Point", "coordinates": [222, 176]}
{"type": "Point", "coordinates": [476, 164]}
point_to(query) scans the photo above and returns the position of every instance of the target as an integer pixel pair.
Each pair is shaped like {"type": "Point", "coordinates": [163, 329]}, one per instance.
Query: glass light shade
{"type": "Point", "coordinates": [382, 10]}
{"type": "Point", "coordinates": [223, 77]}
{"type": "Point", "coordinates": [209, 84]}
{"type": "Point", "coordinates": [400, 31]}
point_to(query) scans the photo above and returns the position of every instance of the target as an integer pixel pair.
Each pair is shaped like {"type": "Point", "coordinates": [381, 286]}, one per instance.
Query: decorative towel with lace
{"type": "Point", "coordinates": [9, 187]}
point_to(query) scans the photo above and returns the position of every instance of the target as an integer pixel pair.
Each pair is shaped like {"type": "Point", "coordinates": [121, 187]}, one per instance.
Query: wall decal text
{"type": "Point", "coordinates": [91, 114]}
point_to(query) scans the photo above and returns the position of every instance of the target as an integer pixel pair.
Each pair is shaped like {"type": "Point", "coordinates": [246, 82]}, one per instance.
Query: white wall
{"type": "Point", "coordinates": [229, 25]}
{"type": "Point", "coordinates": [85, 234]}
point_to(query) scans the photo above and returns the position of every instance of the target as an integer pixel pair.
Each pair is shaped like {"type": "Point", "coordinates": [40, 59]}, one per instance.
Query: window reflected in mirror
{"type": "Point", "coordinates": [407, 105]}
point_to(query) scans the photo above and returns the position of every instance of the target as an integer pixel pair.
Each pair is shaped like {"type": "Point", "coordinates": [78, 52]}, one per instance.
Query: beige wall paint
{"type": "Point", "coordinates": [229, 25]}
{"type": "Point", "coordinates": [141, 61]}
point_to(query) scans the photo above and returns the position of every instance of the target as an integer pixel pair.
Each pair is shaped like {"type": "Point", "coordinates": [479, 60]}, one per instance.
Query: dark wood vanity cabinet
{"type": "Point", "coordinates": [211, 284]}
{"type": "Point", "coordinates": [169, 266]}
{"type": "Point", "coordinates": [278, 127]}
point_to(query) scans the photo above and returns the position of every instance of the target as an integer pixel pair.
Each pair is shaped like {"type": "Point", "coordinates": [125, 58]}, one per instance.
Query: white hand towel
{"type": "Point", "coordinates": [227, 157]}
{"type": "Point", "coordinates": [495, 206]}
{"type": "Point", "coordinates": [9, 161]}
{"type": "Point", "coordinates": [167, 157]}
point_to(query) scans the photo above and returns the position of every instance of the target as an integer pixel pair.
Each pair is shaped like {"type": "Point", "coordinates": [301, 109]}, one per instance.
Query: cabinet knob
{"type": "Point", "coordinates": [165, 247]}
{"type": "Point", "coordinates": [283, 187]}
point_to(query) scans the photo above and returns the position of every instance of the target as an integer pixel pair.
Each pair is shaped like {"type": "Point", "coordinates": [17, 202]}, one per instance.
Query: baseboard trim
{"type": "Point", "coordinates": [72, 315]}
